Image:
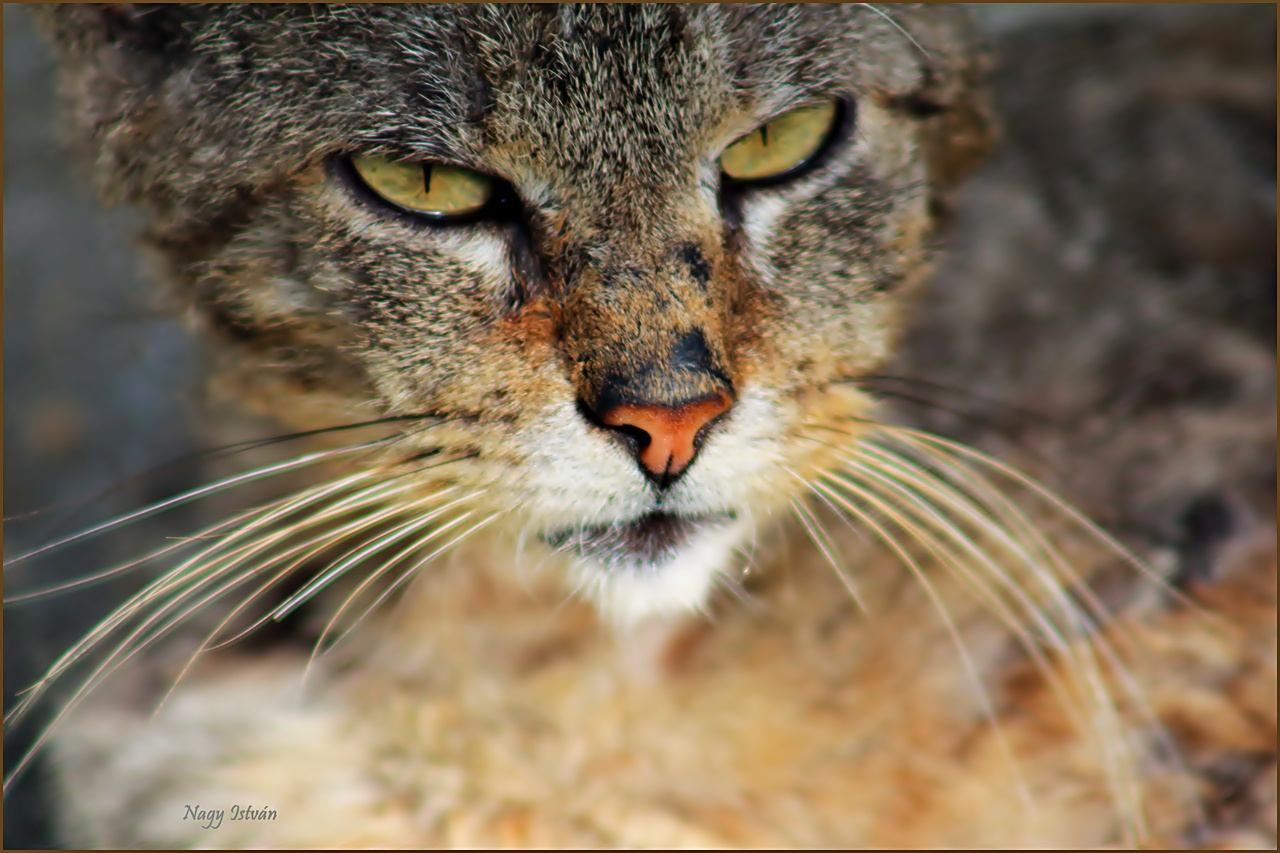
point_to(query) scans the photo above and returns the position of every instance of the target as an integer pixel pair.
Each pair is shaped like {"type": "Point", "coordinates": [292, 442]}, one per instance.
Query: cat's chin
{"type": "Point", "coordinates": [661, 564]}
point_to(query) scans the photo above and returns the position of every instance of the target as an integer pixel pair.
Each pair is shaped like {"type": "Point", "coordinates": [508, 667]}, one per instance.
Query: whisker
{"type": "Point", "coordinates": [1131, 688]}
{"type": "Point", "coordinates": [1108, 728]}
{"type": "Point", "coordinates": [1008, 518]}
{"type": "Point", "coordinates": [821, 539]}
{"type": "Point", "coordinates": [416, 566]}
{"type": "Point", "coordinates": [329, 538]}
{"type": "Point", "coordinates": [109, 666]}
{"type": "Point", "coordinates": [1107, 724]}
{"type": "Point", "coordinates": [247, 523]}
{"type": "Point", "coordinates": [319, 582]}
{"type": "Point", "coordinates": [312, 547]}
{"type": "Point", "coordinates": [896, 26]}
{"type": "Point", "coordinates": [195, 494]}
{"type": "Point", "coordinates": [924, 438]}
{"type": "Point", "coordinates": [105, 627]}
{"type": "Point", "coordinates": [204, 456]}
{"type": "Point", "coordinates": [1001, 504]}
{"type": "Point", "coordinates": [951, 628]}
{"type": "Point", "coordinates": [106, 574]}
{"type": "Point", "coordinates": [320, 647]}
{"type": "Point", "coordinates": [208, 533]}
{"type": "Point", "coordinates": [947, 557]}
{"type": "Point", "coordinates": [891, 473]}
{"type": "Point", "coordinates": [210, 564]}
{"type": "Point", "coordinates": [869, 381]}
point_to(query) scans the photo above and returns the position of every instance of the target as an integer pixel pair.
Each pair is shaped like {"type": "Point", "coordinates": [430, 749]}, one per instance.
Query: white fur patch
{"type": "Point", "coordinates": [629, 594]}
{"type": "Point", "coordinates": [575, 476]}
{"type": "Point", "coordinates": [759, 216]}
{"type": "Point", "coordinates": [483, 253]}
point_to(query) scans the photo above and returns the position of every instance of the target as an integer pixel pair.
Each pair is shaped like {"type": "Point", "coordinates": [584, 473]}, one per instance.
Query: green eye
{"type": "Point", "coordinates": [781, 145]}
{"type": "Point", "coordinates": [429, 188]}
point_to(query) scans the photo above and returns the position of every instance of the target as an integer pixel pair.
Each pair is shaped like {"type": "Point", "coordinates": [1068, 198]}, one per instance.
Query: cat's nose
{"type": "Point", "coordinates": [665, 438]}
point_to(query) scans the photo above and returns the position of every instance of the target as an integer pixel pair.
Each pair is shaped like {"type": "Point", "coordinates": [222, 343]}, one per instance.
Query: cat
{"type": "Point", "coordinates": [615, 547]}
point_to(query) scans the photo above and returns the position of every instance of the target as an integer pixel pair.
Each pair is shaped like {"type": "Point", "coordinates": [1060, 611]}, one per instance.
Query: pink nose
{"type": "Point", "coordinates": [671, 432]}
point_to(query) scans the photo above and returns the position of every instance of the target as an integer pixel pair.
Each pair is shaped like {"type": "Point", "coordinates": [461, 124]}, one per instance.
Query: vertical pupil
{"type": "Point", "coordinates": [764, 135]}
{"type": "Point", "coordinates": [426, 178]}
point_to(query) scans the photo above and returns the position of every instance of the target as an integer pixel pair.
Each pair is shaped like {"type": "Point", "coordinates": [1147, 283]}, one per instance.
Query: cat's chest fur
{"type": "Point", "coordinates": [478, 712]}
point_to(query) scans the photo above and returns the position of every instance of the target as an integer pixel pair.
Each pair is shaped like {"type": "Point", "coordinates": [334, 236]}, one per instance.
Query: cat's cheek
{"type": "Point", "coordinates": [572, 475]}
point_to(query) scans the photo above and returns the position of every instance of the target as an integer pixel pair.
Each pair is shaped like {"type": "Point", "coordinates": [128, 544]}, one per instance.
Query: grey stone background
{"type": "Point", "coordinates": [97, 382]}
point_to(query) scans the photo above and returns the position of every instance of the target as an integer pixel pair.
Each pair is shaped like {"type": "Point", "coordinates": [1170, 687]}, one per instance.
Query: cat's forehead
{"type": "Point", "coordinates": [609, 90]}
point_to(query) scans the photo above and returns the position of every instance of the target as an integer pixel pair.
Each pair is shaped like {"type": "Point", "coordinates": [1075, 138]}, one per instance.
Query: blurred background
{"type": "Point", "coordinates": [96, 388]}
{"type": "Point", "coordinates": [98, 381]}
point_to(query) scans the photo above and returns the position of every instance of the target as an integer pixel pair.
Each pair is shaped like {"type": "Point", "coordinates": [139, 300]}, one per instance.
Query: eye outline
{"type": "Point", "coordinates": [502, 206]}
{"type": "Point", "coordinates": [841, 128]}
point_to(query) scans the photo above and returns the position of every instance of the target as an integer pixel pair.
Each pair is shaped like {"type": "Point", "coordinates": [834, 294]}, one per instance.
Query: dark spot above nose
{"type": "Point", "coordinates": [698, 265]}
{"type": "Point", "coordinates": [691, 353]}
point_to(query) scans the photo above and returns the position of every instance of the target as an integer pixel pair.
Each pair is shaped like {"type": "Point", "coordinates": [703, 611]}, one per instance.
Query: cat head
{"type": "Point", "coordinates": [618, 265]}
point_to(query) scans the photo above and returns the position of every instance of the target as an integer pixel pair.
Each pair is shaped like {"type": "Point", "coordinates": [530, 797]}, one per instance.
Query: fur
{"type": "Point", "coordinates": [484, 704]}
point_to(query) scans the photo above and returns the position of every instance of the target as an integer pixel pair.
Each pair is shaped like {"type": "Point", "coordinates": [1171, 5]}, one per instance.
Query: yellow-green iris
{"type": "Point", "coordinates": [430, 188]}
{"type": "Point", "coordinates": [781, 145]}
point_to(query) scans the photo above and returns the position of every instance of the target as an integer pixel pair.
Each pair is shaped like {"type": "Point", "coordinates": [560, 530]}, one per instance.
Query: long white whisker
{"type": "Point", "coordinates": [1052, 499]}
{"type": "Point", "coordinates": [348, 559]}
{"type": "Point", "coordinates": [296, 600]}
{"type": "Point", "coordinates": [889, 472]}
{"type": "Point", "coordinates": [387, 565]}
{"type": "Point", "coordinates": [107, 667]}
{"type": "Point", "coordinates": [120, 569]}
{"type": "Point", "coordinates": [195, 494]}
{"type": "Point", "coordinates": [324, 540]}
{"type": "Point", "coordinates": [1107, 725]}
{"type": "Point", "coordinates": [180, 576]}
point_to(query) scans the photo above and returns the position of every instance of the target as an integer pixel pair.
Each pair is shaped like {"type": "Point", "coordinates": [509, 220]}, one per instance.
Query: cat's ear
{"type": "Point", "coordinates": [115, 61]}
{"type": "Point", "coordinates": [951, 101]}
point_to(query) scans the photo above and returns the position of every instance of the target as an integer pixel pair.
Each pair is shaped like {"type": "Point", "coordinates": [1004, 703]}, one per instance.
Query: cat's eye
{"type": "Point", "coordinates": [432, 189]}
{"type": "Point", "coordinates": [781, 146]}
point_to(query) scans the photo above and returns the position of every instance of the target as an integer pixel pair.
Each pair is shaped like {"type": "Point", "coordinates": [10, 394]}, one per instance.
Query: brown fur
{"type": "Point", "coordinates": [482, 708]}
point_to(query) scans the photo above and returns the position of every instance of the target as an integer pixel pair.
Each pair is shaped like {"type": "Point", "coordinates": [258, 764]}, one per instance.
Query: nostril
{"type": "Point", "coordinates": [635, 437]}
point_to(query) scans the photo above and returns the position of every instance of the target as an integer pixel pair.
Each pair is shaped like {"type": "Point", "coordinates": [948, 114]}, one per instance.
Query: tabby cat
{"type": "Point", "coordinates": [580, 317]}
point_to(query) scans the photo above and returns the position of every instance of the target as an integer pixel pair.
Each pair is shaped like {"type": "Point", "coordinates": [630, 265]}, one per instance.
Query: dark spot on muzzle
{"type": "Point", "coordinates": [698, 265]}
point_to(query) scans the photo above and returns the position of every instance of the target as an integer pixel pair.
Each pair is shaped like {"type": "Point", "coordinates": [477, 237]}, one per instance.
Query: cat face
{"type": "Point", "coordinates": [623, 348]}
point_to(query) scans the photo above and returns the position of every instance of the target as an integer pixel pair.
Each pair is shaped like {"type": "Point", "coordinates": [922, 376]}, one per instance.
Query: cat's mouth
{"type": "Point", "coordinates": [649, 540]}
